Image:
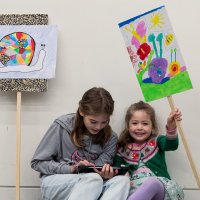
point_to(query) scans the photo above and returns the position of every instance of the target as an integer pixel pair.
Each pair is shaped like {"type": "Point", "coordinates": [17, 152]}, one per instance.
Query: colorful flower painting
{"type": "Point", "coordinates": [155, 54]}
{"type": "Point", "coordinates": [28, 51]}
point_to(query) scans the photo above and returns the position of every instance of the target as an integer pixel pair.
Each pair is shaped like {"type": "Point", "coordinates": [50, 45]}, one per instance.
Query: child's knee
{"type": "Point", "coordinates": [124, 180]}
{"type": "Point", "coordinates": [153, 182]}
{"type": "Point", "coordinates": [94, 177]}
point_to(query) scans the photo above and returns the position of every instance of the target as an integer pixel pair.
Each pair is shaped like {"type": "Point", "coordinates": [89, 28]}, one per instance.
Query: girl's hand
{"type": "Point", "coordinates": [173, 117]}
{"type": "Point", "coordinates": [80, 163]}
{"type": "Point", "coordinates": [106, 172]}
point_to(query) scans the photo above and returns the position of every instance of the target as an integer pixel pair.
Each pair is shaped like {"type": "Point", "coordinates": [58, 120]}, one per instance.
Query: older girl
{"type": "Point", "coordinates": [81, 139]}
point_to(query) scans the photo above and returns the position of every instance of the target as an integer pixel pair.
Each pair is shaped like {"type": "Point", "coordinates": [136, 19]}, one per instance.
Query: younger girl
{"type": "Point", "coordinates": [81, 139]}
{"type": "Point", "coordinates": [143, 150]}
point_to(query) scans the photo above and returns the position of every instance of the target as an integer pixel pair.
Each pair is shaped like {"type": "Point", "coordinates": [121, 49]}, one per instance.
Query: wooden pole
{"type": "Point", "coordinates": [18, 145]}
{"type": "Point", "coordinates": [189, 155]}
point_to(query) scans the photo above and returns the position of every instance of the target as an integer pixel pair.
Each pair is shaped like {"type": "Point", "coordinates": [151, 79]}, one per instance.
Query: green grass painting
{"type": "Point", "coordinates": [178, 83]}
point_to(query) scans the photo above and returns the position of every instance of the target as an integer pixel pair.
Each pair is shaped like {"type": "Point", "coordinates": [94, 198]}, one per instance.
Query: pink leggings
{"type": "Point", "coordinates": [151, 189]}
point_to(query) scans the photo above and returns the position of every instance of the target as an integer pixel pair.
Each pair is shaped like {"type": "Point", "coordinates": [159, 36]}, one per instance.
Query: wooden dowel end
{"type": "Point", "coordinates": [18, 145]}
{"type": "Point", "coordinates": [185, 144]}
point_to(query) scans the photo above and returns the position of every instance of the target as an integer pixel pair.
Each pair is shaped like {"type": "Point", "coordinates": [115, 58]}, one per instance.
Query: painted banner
{"type": "Point", "coordinates": [155, 54]}
{"type": "Point", "coordinates": [28, 51]}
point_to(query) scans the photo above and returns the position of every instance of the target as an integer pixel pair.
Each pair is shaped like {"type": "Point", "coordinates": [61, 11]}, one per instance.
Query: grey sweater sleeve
{"type": "Point", "coordinates": [109, 151]}
{"type": "Point", "coordinates": [47, 158]}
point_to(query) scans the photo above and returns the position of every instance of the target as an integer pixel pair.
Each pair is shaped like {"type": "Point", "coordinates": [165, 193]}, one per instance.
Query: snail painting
{"type": "Point", "coordinates": [155, 54]}
{"type": "Point", "coordinates": [24, 54]}
{"type": "Point", "coordinates": [17, 49]}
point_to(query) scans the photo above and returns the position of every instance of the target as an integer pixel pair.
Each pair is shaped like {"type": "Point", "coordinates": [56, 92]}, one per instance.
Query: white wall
{"type": "Point", "coordinates": [91, 52]}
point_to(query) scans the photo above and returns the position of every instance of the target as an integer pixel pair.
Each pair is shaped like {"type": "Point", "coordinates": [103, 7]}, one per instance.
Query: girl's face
{"type": "Point", "coordinates": [95, 123]}
{"type": "Point", "coordinates": [140, 126]}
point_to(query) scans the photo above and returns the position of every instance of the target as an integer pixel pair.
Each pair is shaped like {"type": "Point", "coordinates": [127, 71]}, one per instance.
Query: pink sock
{"type": "Point", "coordinates": [151, 189]}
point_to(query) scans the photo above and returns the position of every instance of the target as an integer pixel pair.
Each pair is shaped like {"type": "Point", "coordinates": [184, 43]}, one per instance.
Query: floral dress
{"type": "Point", "coordinates": [139, 158]}
{"type": "Point", "coordinates": [172, 190]}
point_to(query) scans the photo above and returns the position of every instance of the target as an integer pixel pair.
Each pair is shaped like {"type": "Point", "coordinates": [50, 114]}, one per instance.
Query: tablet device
{"type": "Point", "coordinates": [88, 169]}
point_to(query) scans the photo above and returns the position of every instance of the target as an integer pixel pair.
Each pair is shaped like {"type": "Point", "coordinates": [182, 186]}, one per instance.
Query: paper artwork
{"type": "Point", "coordinates": [28, 51]}
{"type": "Point", "coordinates": [155, 54]}
{"type": "Point", "coordinates": [24, 85]}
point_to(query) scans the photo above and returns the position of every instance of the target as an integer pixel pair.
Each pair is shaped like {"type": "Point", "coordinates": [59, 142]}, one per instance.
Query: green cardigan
{"type": "Point", "coordinates": [152, 154]}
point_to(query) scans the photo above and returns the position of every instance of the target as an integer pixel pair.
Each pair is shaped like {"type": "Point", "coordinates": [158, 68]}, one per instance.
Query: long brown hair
{"type": "Point", "coordinates": [125, 138]}
{"type": "Point", "coordinates": [95, 101]}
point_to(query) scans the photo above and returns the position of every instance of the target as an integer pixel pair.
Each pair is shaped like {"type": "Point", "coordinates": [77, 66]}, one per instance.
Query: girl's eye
{"type": "Point", "coordinates": [146, 124]}
{"type": "Point", "coordinates": [94, 122]}
{"type": "Point", "coordinates": [134, 123]}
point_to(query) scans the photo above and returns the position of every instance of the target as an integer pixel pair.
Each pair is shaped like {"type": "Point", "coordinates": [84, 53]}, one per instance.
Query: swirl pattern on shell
{"type": "Point", "coordinates": [17, 49]}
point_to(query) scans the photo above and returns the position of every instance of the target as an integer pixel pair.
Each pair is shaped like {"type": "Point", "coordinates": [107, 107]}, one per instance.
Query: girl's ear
{"type": "Point", "coordinates": [153, 132]}
{"type": "Point", "coordinates": [81, 113]}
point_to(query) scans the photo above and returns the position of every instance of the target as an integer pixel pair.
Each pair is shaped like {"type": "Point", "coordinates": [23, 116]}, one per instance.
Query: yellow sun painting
{"type": "Point", "coordinates": [157, 20]}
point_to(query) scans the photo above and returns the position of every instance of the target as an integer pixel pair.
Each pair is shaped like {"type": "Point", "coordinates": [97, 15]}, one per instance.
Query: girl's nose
{"type": "Point", "coordinates": [98, 126]}
{"type": "Point", "coordinates": [139, 125]}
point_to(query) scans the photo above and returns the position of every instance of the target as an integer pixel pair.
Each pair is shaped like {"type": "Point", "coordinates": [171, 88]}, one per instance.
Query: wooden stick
{"type": "Point", "coordinates": [18, 145]}
{"type": "Point", "coordinates": [192, 164]}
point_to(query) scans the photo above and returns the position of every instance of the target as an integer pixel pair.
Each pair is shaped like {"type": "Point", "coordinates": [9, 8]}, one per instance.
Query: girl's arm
{"type": "Point", "coordinates": [170, 141]}
{"type": "Point", "coordinates": [46, 158]}
{"type": "Point", "coordinates": [118, 161]}
{"type": "Point", "coordinates": [109, 151]}
{"type": "Point", "coordinates": [174, 116]}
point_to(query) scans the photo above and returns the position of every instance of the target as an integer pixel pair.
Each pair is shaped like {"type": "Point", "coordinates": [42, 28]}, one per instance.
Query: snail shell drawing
{"type": "Point", "coordinates": [17, 49]}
